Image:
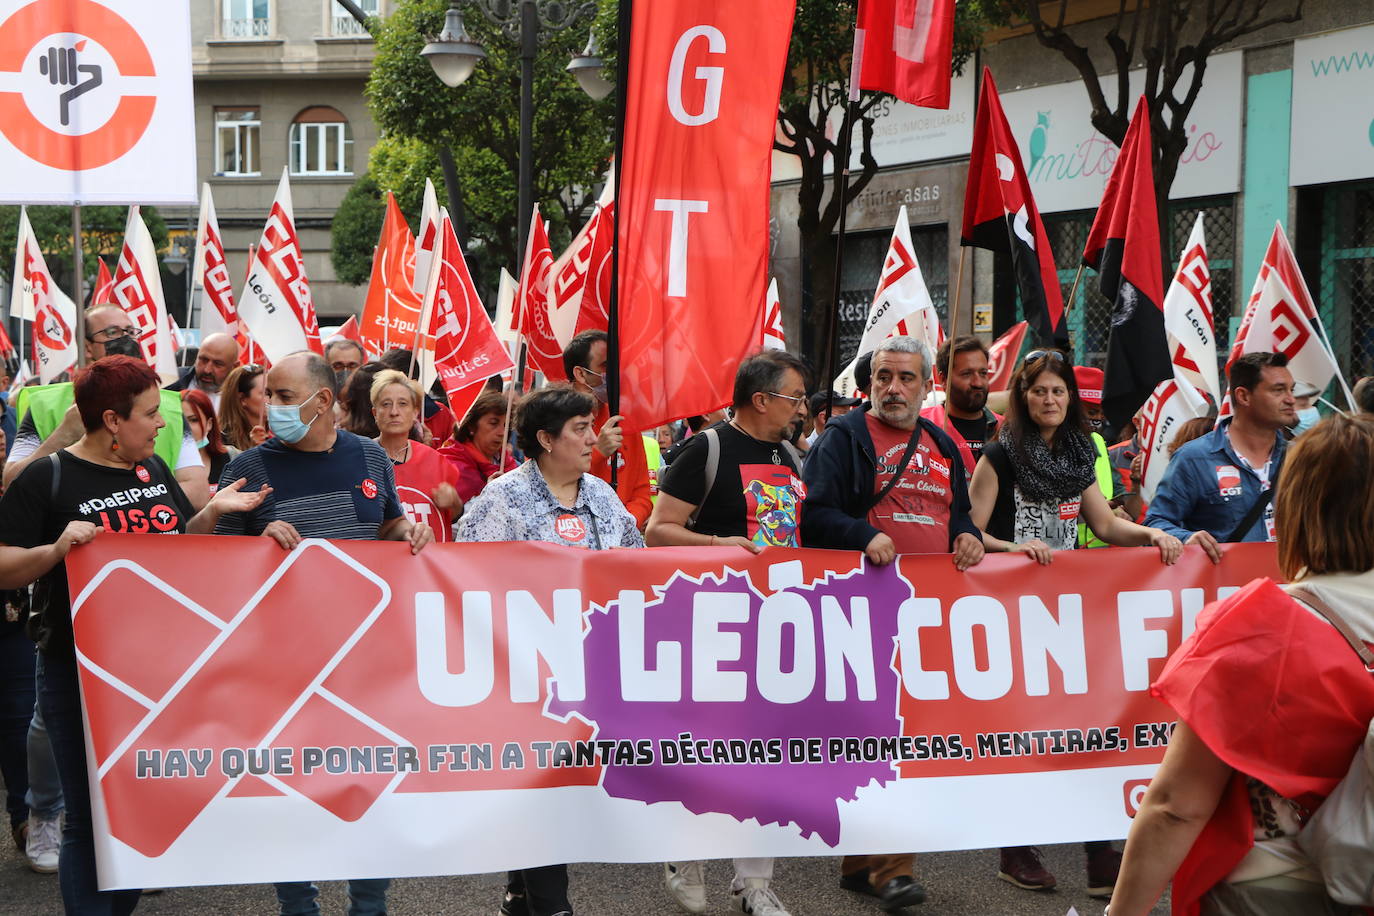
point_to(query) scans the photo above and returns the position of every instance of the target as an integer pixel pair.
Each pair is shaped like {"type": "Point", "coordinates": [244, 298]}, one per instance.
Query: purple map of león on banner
{"type": "Point", "coordinates": [805, 794]}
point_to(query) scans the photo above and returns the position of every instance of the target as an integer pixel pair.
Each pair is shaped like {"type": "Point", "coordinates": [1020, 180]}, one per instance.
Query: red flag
{"type": "Point", "coordinates": [1123, 247]}
{"type": "Point", "coordinates": [391, 311]}
{"type": "Point", "coordinates": [580, 296]}
{"type": "Point", "coordinates": [692, 217]}
{"type": "Point", "coordinates": [1000, 215]}
{"type": "Point", "coordinates": [906, 47]}
{"type": "Point", "coordinates": [350, 330]}
{"type": "Point", "coordinates": [532, 303]}
{"type": "Point", "coordinates": [467, 351]}
{"type": "Point", "coordinates": [7, 348]}
{"type": "Point", "coordinates": [1002, 356]}
{"type": "Point", "coordinates": [104, 285]}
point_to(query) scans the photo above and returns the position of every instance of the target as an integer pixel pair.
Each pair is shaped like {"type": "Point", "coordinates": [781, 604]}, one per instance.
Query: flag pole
{"type": "Point", "coordinates": [76, 271]}
{"type": "Point", "coordinates": [1073, 290]}
{"type": "Point", "coordinates": [624, 28]}
{"type": "Point", "coordinates": [954, 319]}
{"type": "Point", "coordinates": [842, 189]}
{"type": "Point", "coordinates": [510, 403]}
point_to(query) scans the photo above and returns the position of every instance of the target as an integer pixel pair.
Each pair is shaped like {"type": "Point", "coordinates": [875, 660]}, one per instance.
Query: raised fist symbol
{"type": "Point", "coordinates": [61, 69]}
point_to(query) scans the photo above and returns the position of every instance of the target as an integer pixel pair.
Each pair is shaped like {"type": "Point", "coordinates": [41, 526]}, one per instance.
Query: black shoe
{"type": "Point", "coordinates": [858, 883]}
{"type": "Point", "coordinates": [514, 905]}
{"type": "Point", "coordinates": [900, 892]}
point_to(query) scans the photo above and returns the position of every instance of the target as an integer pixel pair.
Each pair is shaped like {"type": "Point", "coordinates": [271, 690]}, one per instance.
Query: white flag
{"type": "Point", "coordinates": [427, 238]}
{"type": "Point", "coordinates": [1174, 402]}
{"type": "Point", "coordinates": [276, 305]}
{"type": "Point", "coordinates": [505, 309]}
{"type": "Point", "coordinates": [210, 281]}
{"type": "Point", "coordinates": [901, 304]}
{"type": "Point", "coordinates": [138, 291]}
{"type": "Point", "coordinates": [1188, 317]}
{"type": "Point", "coordinates": [36, 298]}
{"type": "Point", "coordinates": [773, 336]}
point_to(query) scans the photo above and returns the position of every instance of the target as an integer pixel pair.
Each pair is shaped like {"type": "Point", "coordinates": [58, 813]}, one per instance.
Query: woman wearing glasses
{"type": "Point", "coordinates": [243, 407]}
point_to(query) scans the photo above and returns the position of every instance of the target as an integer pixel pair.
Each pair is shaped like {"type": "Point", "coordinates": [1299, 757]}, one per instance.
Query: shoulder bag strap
{"type": "Point", "coordinates": [56, 477]}
{"type": "Point", "coordinates": [1309, 598]}
{"type": "Point", "coordinates": [901, 468]}
{"type": "Point", "coordinates": [1251, 517]}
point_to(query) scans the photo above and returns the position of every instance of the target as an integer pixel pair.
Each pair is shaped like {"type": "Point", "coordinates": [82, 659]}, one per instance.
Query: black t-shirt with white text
{"type": "Point", "coordinates": [973, 432]}
{"type": "Point", "coordinates": [757, 492]}
{"type": "Point", "coordinates": [145, 499]}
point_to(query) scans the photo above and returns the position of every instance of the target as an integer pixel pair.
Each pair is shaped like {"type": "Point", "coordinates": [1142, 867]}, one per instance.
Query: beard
{"type": "Point", "coordinates": [969, 399]}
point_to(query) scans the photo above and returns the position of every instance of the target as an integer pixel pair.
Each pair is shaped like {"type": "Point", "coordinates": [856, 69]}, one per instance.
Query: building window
{"type": "Point", "coordinates": [237, 133]}
{"type": "Point", "coordinates": [1345, 282]}
{"type": "Point", "coordinates": [321, 143]}
{"type": "Point", "coordinates": [344, 25]}
{"type": "Point", "coordinates": [246, 19]}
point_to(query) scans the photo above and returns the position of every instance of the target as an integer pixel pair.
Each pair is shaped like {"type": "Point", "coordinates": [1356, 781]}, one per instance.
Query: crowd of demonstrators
{"type": "Point", "coordinates": [584, 362]}
{"type": "Point", "coordinates": [1028, 491]}
{"type": "Point", "coordinates": [1273, 703]}
{"type": "Point", "coordinates": [202, 423]}
{"type": "Point", "coordinates": [66, 500]}
{"type": "Point", "coordinates": [738, 483]}
{"type": "Point", "coordinates": [1219, 487]}
{"type": "Point", "coordinates": [885, 480]}
{"type": "Point", "coordinates": [478, 443]}
{"type": "Point", "coordinates": [426, 482]}
{"type": "Point", "coordinates": [243, 407]}
{"type": "Point", "coordinates": [553, 497]}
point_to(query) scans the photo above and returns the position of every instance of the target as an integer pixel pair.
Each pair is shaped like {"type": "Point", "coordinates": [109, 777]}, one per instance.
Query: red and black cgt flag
{"type": "Point", "coordinates": [1000, 215]}
{"type": "Point", "coordinates": [1123, 247]}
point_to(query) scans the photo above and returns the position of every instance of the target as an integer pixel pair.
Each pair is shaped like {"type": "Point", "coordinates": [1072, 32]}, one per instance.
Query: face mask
{"type": "Point", "coordinates": [124, 346]}
{"type": "Point", "coordinates": [599, 391]}
{"type": "Point", "coordinates": [1096, 424]}
{"type": "Point", "coordinates": [341, 378]}
{"type": "Point", "coordinates": [285, 420]}
{"type": "Point", "coordinates": [1307, 418]}
{"type": "Point", "coordinates": [202, 442]}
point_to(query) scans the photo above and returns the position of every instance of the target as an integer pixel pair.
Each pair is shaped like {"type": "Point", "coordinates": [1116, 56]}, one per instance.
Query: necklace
{"type": "Point", "coordinates": [777, 457]}
{"type": "Point", "coordinates": [405, 455]}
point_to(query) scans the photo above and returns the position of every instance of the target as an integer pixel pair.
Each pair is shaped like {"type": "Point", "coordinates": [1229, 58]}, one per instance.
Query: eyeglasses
{"type": "Point", "coordinates": [1033, 355]}
{"type": "Point", "coordinates": [787, 397]}
{"type": "Point", "coordinates": [105, 335]}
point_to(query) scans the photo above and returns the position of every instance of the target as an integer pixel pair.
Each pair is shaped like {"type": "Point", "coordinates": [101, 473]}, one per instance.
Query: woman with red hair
{"type": "Point", "coordinates": [109, 480]}
{"type": "Point", "coordinates": [204, 426]}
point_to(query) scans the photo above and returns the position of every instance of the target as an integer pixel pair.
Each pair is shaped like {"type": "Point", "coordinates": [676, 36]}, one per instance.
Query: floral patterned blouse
{"type": "Point", "coordinates": [518, 506]}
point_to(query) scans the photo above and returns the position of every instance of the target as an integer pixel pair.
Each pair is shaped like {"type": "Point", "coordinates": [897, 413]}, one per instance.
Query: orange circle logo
{"type": "Point", "coordinates": [65, 51]}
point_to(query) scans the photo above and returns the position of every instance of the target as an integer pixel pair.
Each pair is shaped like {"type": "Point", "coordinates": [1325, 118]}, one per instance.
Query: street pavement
{"type": "Point", "coordinates": [958, 883]}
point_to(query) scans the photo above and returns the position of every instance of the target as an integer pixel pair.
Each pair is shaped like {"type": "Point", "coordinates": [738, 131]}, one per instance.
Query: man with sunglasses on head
{"type": "Point", "coordinates": [49, 422]}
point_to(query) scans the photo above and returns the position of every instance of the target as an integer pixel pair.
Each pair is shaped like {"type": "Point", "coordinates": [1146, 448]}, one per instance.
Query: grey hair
{"type": "Point", "coordinates": [905, 344]}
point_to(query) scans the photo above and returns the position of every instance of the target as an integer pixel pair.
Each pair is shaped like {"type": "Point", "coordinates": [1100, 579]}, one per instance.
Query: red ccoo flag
{"type": "Point", "coordinates": [532, 303]}
{"type": "Point", "coordinates": [104, 285]}
{"type": "Point", "coordinates": [1123, 247]}
{"type": "Point", "coordinates": [905, 47]}
{"type": "Point", "coordinates": [1000, 215]}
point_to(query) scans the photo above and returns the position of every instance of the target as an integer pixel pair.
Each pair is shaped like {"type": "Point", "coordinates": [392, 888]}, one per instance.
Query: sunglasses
{"type": "Point", "coordinates": [1033, 355]}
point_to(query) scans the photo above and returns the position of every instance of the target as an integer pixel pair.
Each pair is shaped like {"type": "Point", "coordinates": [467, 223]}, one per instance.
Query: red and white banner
{"type": "Point", "coordinates": [772, 335]}
{"type": "Point", "coordinates": [211, 280]}
{"type": "Point", "coordinates": [35, 297]}
{"type": "Point", "coordinates": [467, 351]}
{"type": "Point", "coordinates": [391, 311]}
{"type": "Point", "coordinates": [104, 283]}
{"type": "Point", "coordinates": [1188, 317]}
{"type": "Point", "coordinates": [532, 304]}
{"type": "Point", "coordinates": [708, 702]}
{"type": "Point", "coordinates": [276, 304]}
{"type": "Point", "coordinates": [1174, 402]}
{"type": "Point", "coordinates": [1003, 355]}
{"type": "Point", "coordinates": [905, 47]}
{"type": "Point", "coordinates": [427, 240]}
{"type": "Point", "coordinates": [580, 290]}
{"type": "Point", "coordinates": [138, 291]}
{"type": "Point", "coordinates": [901, 303]}
{"type": "Point", "coordinates": [692, 218]}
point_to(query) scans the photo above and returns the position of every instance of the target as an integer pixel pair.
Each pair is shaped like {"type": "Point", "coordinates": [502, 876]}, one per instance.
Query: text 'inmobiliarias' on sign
{"type": "Point", "coordinates": [348, 710]}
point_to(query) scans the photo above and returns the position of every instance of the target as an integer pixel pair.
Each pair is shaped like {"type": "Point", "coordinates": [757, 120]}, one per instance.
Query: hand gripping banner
{"type": "Point", "coordinates": [348, 710]}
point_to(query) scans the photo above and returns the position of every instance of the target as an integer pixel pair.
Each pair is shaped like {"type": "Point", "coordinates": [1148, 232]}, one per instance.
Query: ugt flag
{"type": "Point", "coordinates": [1188, 317]}
{"type": "Point", "coordinates": [1123, 247]}
{"type": "Point", "coordinates": [905, 47]}
{"type": "Point", "coordinates": [532, 303]}
{"type": "Point", "coordinates": [580, 286]}
{"type": "Point", "coordinates": [276, 304]}
{"type": "Point", "coordinates": [1000, 215]}
{"type": "Point", "coordinates": [391, 312]}
{"type": "Point", "coordinates": [692, 218]}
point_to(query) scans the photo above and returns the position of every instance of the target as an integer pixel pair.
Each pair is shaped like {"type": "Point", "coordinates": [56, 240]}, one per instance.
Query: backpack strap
{"type": "Point", "coordinates": [712, 466]}
{"type": "Point", "coordinates": [1309, 598]}
{"type": "Point", "coordinates": [56, 477]}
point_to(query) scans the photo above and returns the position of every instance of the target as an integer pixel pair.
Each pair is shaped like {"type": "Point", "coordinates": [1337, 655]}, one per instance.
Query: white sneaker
{"type": "Point", "coordinates": [44, 843]}
{"type": "Point", "coordinates": [687, 883]}
{"type": "Point", "coordinates": [758, 899]}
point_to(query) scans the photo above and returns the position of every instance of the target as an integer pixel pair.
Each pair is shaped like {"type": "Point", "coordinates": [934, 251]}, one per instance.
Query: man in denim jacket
{"type": "Point", "coordinates": [1213, 483]}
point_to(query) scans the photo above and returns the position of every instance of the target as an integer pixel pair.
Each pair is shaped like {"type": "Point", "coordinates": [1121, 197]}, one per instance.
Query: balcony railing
{"type": "Point", "coordinates": [247, 28]}
{"type": "Point", "coordinates": [348, 27]}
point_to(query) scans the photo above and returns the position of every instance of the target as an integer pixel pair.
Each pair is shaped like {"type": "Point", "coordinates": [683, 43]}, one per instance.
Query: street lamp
{"type": "Point", "coordinates": [454, 54]}
{"type": "Point", "coordinates": [587, 67]}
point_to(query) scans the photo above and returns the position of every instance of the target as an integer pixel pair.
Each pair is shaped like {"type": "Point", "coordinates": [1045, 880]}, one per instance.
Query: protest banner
{"type": "Point", "coordinates": [350, 710]}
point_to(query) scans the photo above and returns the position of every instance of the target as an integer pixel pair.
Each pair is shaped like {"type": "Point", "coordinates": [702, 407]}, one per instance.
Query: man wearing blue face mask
{"type": "Point", "coordinates": [1305, 395]}
{"type": "Point", "coordinates": [326, 483]}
